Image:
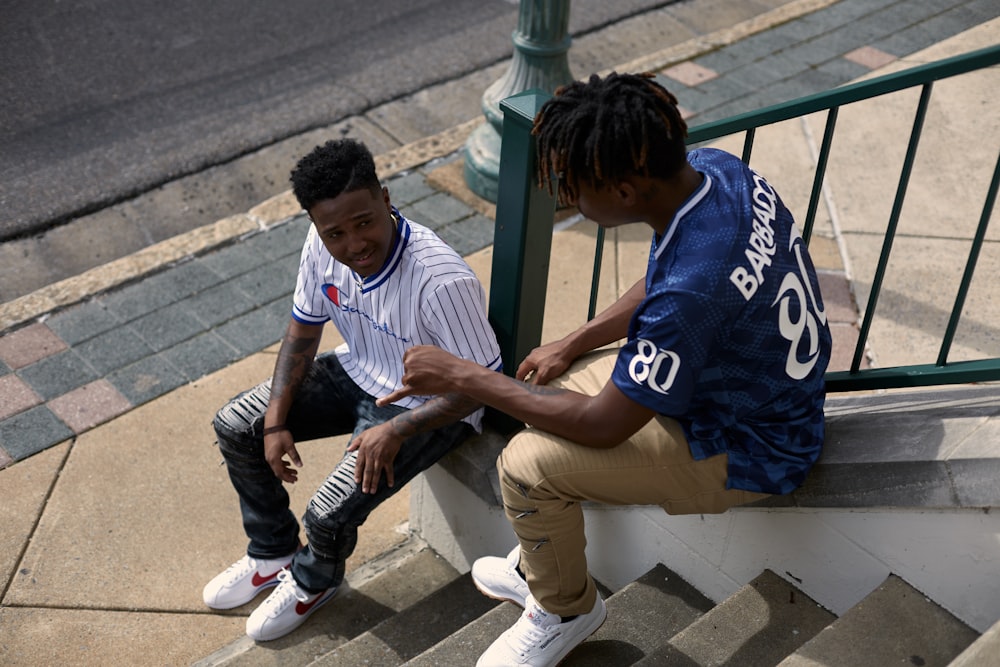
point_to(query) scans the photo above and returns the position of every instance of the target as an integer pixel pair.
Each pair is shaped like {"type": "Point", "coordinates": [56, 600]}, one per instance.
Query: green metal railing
{"type": "Point", "coordinates": [525, 215]}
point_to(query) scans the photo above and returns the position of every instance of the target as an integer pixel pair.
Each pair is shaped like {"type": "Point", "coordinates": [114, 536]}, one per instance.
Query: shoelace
{"type": "Point", "coordinates": [240, 569]}
{"type": "Point", "coordinates": [528, 634]}
{"type": "Point", "coordinates": [286, 592]}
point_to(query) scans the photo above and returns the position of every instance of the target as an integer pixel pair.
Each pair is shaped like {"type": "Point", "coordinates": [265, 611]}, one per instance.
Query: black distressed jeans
{"type": "Point", "coordinates": [328, 403]}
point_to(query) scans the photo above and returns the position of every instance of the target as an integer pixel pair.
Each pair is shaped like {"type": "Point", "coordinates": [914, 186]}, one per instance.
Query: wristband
{"type": "Point", "coordinates": [274, 429]}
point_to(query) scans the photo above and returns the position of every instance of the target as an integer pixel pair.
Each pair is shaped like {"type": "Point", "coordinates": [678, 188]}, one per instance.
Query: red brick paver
{"type": "Point", "coordinates": [28, 345]}
{"type": "Point", "coordinates": [870, 57]}
{"type": "Point", "coordinates": [89, 405]}
{"type": "Point", "coordinates": [16, 396]}
{"type": "Point", "coordinates": [690, 74]}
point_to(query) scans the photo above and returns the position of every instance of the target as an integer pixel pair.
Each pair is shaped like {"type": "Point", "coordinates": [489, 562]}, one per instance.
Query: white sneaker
{"type": "Point", "coordinates": [498, 577]}
{"type": "Point", "coordinates": [541, 639]}
{"type": "Point", "coordinates": [242, 581]}
{"type": "Point", "coordinates": [285, 609]}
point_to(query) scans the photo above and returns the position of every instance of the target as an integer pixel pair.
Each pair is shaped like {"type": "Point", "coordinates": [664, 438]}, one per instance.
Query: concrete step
{"type": "Point", "coordinates": [760, 624]}
{"type": "Point", "coordinates": [894, 625]}
{"type": "Point", "coordinates": [984, 652]}
{"type": "Point", "coordinates": [409, 607]}
{"type": "Point", "coordinates": [640, 617]}
{"type": "Point", "coordinates": [375, 592]}
{"type": "Point", "coordinates": [415, 629]}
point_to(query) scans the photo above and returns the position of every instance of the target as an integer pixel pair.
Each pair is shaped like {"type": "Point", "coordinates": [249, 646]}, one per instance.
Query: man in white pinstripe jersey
{"type": "Point", "coordinates": [387, 284]}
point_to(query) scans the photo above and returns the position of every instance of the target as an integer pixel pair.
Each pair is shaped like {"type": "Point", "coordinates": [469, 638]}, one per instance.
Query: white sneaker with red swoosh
{"type": "Point", "coordinates": [286, 608]}
{"type": "Point", "coordinates": [242, 581]}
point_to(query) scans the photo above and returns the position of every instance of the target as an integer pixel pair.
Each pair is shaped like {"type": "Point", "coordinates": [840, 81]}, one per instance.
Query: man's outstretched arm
{"type": "Point", "coordinates": [604, 420]}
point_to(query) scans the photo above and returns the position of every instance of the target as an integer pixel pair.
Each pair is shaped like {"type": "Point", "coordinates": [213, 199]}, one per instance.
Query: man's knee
{"type": "Point", "coordinates": [242, 417]}
{"type": "Point", "coordinates": [519, 464]}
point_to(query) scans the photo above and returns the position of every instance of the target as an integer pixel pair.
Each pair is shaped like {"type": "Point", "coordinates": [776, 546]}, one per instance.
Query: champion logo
{"type": "Point", "coordinates": [332, 293]}
{"type": "Point", "coordinates": [260, 580]}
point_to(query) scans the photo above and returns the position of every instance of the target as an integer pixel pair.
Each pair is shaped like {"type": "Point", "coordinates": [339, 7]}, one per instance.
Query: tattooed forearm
{"type": "Point", "coordinates": [543, 390]}
{"type": "Point", "coordinates": [295, 357]}
{"type": "Point", "coordinates": [435, 413]}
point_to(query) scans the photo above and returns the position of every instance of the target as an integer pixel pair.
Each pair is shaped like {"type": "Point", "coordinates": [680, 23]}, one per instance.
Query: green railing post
{"type": "Point", "coordinates": [523, 238]}
{"type": "Point", "coordinates": [541, 43]}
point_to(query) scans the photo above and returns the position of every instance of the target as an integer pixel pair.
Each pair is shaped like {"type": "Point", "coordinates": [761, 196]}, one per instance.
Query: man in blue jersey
{"type": "Point", "coordinates": [714, 399]}
{"type": "Point", "coordinates": [387, 284]}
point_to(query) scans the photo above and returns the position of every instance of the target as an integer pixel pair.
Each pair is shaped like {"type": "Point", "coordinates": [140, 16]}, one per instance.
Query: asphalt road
{"type": "Point", "coordinates": [101, 100]}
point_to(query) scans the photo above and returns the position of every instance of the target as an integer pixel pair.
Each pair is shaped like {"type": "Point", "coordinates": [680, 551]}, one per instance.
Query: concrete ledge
{"type": "Point", "coordinates": [936, 448]}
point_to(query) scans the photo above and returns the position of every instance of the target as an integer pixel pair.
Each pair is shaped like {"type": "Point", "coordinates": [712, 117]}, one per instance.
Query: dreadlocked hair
{"type": "Point", "coordinates": [606, 129]}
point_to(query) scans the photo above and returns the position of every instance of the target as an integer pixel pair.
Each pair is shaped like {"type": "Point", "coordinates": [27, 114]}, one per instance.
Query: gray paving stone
{"type": "Point", "coordinates": [58, 374]}
{"type": "Point", "coordinates": [32, 431]}
{"type": "Point", "coordinates": [720, 91]}
{"type": "Point", "coordinates": [841, 14]}
{"type": "Point", "coordinates": [113, 350]}
{"type": "Point", "coordinates": [146, 379]}
{"type": "Point", "coordinates": [756, 76]}
{"type": "Point", "coordinates": [469, 235]}
{"type": "Point", "coordinates": [722, 60]}
{"type": "Point", "coordinates": [404, 190]}
{"type": "Point", "coordinates": [287, 239]}
{"type": "Point", "coordinates": [438, 210]}
{"type": "Point", "coordinates": [4, 368]}
{"type": "Point", "coordinates": [262, 247]}
{"type": "Point", "coordinates": [747, 51]}
{"type": "Point", "coordinates": [82, 321]}
{"type": "Point", "coordinates": [834, 73]}
{"type": "Point", "coordinates": [201, 355]}
{"type": "Point", "coordinates": [796, 32]}
{"type": "Point", "coordinates": [268, 282]}
{"type": "Point", "coordinates": [219, 304]}
{"type": "Point", "coordinates": [983, 10]}
{"type": "Point", "coordinates": [689, 98]}
{"type": "Point", "coordinates": [907, 41]}
{"type": "Point", "coordinates": [187, 278]}
{"type": "Point", "coordinates": [167, 327]}
{"type": "Point", "coordinates": [832, 45]}
{"type": "Point", "coordinates": [140, 298]}
{"type": "Point", "coordinates": [257, 329]}
{"type": "Point", "coordinates": [230, 261]}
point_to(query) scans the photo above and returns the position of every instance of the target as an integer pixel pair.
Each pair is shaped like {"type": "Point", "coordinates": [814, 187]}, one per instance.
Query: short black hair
{"type": "Point", "coordinates": [336, 167]}
{"type": "Point", "coordinates": [606, 129]}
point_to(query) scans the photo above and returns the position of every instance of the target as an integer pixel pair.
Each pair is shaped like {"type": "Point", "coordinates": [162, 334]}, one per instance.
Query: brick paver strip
{"type": "Point", "coordinates": [90, 405]}
{"type": "Point", "coordinates": [16, 396]}
{"type": "Point", "coordinates": [28, 345]}
{"type": "Point", "coordinates": [870, 57]}
{"type": "Point", "coordinates": [690, 74]}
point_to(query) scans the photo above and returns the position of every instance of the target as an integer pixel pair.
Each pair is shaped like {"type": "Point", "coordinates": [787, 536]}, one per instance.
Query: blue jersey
{"type": "Point", "coordinates": [732, 338]}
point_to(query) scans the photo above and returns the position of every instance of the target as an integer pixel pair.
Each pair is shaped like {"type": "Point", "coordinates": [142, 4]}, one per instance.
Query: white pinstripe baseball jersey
{"type": "Point", "coordinates": [424, 295]}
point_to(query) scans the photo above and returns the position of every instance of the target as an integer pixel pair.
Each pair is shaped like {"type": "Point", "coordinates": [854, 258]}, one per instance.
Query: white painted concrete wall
{"type": "Point", "coordinates": [836, 557]}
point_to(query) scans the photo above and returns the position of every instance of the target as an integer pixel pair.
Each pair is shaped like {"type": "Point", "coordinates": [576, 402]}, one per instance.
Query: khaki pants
{"type": "Point", "coordinates": [544, 478]}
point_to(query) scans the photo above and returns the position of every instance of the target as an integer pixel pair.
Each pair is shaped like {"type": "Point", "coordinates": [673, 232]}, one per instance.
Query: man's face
{"type": "Point", "coordinates": [601, 204]}
{"type": "Point", "coordinates": [357, 228]}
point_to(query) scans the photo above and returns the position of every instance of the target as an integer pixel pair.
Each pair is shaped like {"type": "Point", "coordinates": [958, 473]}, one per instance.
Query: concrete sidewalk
{"type": "Point", "coordinates": [116, 510]}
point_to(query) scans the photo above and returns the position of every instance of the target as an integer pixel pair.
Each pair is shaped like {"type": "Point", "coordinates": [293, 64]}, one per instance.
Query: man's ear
{"type": "Point", "coordinates": [627, 193]}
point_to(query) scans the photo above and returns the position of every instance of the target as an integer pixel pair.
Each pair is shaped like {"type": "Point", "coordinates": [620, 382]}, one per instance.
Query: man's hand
{"type": "Point", "coordinates": [377, 448]}
{"type": "Point", "coordinates": [545, 363]}
{"type": "Point", "coordinates": [276, 446]}
{"type": "Point", "coordinates": [429, 372]}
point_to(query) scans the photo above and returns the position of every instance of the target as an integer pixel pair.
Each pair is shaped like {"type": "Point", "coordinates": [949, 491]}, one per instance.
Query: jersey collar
{"type": "Point", "coordinates": [693, 199]}
{"type": "Point", "coordinates": [395, 255]}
